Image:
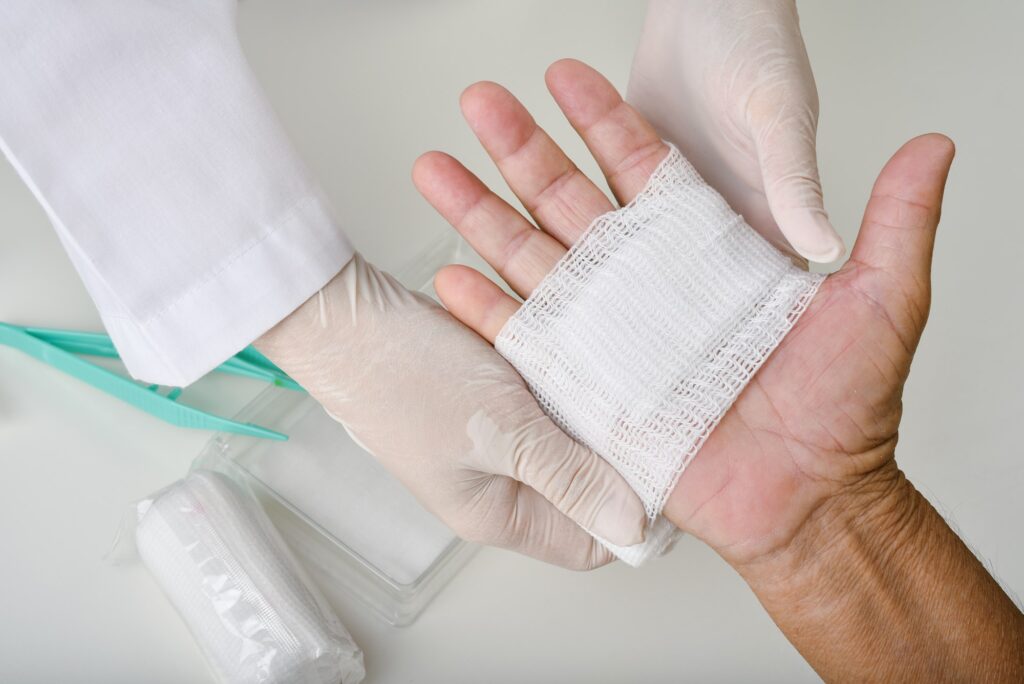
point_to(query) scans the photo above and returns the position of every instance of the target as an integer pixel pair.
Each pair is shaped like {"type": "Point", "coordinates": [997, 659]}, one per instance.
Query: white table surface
{"type": "Point", "coordinates": [365, 87]}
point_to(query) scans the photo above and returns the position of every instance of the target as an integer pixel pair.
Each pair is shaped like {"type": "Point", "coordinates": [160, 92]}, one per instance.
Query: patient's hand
{"type": "Point", "coordinates": [820, 418]}
{"type": "Point", "coordinates": [797, 487]}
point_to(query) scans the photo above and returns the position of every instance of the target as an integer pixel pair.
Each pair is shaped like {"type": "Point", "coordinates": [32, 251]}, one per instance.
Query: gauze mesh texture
{"type": "Point", "coordinates": [643, 335]}
{"type": "Point", "coordinates": [249, 606]}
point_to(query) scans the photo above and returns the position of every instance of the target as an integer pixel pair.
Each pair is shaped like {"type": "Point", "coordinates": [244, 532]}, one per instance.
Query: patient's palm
{"type": "Point", "coordinates": [825, 408]}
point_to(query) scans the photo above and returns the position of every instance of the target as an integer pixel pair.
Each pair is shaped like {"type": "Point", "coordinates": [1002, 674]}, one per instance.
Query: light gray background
{"type": "Point", "coordinates": [365, 87]}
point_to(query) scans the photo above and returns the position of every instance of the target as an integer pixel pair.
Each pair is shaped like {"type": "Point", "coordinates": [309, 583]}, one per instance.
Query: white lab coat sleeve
{"type": "Point", "coordinates": [142, 131]}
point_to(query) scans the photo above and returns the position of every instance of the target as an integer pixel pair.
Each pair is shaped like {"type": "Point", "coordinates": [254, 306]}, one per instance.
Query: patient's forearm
{"type": "Point", "coordinates": [876, 586]}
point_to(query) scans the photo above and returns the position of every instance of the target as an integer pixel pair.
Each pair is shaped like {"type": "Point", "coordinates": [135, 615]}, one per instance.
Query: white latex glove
{"type": "Point", "coordinates": [452, 420]}
{"type": "Point", "coordinates": [729, 82]}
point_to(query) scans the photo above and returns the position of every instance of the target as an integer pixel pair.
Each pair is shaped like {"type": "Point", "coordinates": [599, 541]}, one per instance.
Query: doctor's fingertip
{"type": "Point", "coordinates": [812, 235]}
{"type": "Point", "coordinates": [621, 520]}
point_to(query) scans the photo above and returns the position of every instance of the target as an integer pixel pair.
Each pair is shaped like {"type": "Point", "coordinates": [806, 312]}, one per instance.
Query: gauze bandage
{"type": "Point", "coordinates": [645, 333]}
{"type": "Point", "coordinates": [239, 589]}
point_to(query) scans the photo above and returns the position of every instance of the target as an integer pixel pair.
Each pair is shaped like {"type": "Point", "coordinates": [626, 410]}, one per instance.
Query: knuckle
{"type": "Point", "coordinates": [590, 557]}
{"type": "Point", "coordinates": [475, 531]}
{"type": "Point", "coordinates": [575, 485]}
{"type": "Point", "coordinates": [562, 470]}
{"type": "Point", "coordinates": [893, 211]}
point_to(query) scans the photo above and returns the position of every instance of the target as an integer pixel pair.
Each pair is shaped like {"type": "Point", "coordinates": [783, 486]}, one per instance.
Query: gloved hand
{"type": "Point", "coordinates": [452, 420]}
{"type": "Point", "coordinates": [728, 81]}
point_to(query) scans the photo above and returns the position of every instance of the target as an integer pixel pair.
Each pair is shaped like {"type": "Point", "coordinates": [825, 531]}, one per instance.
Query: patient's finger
{"type": "Point", "coordinates": [626, 147]}
{"type": "Point", "coordinates": [518, 251]}
{"type": "Point", "coordinates": [560, 198]}
{"type": "Point", "coordinates": [472, 298]}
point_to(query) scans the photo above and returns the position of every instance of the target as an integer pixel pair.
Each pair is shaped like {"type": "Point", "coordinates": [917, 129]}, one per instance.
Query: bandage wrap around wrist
{"type": "Point", "coordinates": [648, 329]}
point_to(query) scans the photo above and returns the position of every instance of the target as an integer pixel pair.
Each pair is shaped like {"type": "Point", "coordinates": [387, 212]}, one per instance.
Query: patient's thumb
{"type": "Point", "coordinates": [898, 232]}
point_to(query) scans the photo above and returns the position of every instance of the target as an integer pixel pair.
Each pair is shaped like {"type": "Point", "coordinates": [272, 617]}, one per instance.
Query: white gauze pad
{"type": "Point", "coordinates": [239, 589]}
{"type": "Point", "coordinates": [644, 334]}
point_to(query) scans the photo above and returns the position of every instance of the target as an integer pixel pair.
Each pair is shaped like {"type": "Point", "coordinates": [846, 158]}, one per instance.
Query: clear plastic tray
{"type": "Point", "coordinates": [356, 529]}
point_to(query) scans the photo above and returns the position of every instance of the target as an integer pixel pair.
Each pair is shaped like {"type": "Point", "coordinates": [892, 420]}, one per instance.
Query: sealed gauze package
{"type": "Point", "coordinates": [646, 331]}
{"type": "Point", "coordinates": [244, 597]}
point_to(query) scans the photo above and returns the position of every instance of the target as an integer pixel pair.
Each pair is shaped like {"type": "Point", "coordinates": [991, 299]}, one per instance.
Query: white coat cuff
{"type": "Point", "coordinates": [227, 311]}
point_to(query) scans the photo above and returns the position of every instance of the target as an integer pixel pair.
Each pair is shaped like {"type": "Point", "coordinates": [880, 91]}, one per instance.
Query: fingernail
{"type": "Point", "coordinates": [815, 238]}
{"type": "Point", "coordinates": [621, 520]}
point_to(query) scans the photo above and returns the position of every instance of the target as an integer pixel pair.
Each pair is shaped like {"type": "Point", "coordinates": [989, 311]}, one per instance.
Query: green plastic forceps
{"type": "Point", "coordinates": [59, 348]}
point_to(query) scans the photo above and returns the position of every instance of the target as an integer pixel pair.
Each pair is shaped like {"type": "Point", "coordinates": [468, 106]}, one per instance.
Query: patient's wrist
{"type": "Point", "coordinates": [863, 521]}
{"type": "Point", "coordinates": [845, 570]}
{"type": "Point", "coordinates": [876, 570]}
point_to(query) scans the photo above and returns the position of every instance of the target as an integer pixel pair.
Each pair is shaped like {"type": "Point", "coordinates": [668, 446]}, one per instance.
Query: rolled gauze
{"type": "Point", "coordinates": [647, 330]}
{"type": "Point", "coordinates": [247, 602]}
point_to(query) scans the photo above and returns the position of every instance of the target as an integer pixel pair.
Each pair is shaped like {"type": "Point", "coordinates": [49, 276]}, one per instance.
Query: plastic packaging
{"type": "Point", "coordinates": [246, 600]}
{"type": "Point", "coordinates": [355, 528]}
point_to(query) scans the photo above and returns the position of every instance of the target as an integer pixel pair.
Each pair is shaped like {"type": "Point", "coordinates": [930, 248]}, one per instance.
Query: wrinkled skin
{"type": "Point", "coordinates": [823, 413]}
